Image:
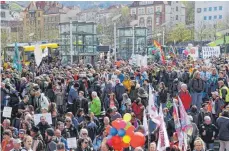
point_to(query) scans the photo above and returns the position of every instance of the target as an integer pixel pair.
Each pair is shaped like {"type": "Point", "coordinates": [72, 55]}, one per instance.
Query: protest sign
{"type": "Point", "coordinates": [46, 115]}
{"type": "Point", "coordinates": [210, 52]}
{"type": "Point", "coordinates": [71, 142]}
{"type": "Point", "coordinates": [7, 112]}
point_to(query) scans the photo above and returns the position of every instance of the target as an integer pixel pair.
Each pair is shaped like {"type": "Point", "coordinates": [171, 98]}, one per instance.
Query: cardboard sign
{"type": "Point", "coordinates": [7, 111]}
{"type": "Point", "coordinates": [210, 52]}
{"type": "Point", "coordinates": [71, 142]}
{"type": "Point", "coordinates": [47, 115]}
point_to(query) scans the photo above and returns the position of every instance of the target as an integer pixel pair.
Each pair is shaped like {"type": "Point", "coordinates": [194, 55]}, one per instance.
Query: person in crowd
{"type": "Point", "coordinates": [7, 142]}
{"type": "Point", "coordinates": [222, 78]}
{"type": "Point", "coordinates": [208, 132]}
{"type": "Point", "coordinates": [83, 145]}
{"type": "Point", "coordinates": [95, 105]}
{"type": "Point", "coordinates": [222, 124]}
{"type": "Point", "coordinates": [197, 87]}
{"type": "Point", "coordinates": [153, 146]}
{"type": "Point", "coordinates": [60, 147]}
{"type": "Point", "coordinates": [27, 144]}
{"type": "Point", "coordinates": [204, 112]}
{"type": "Point", "coordinates": [138, 108]}
{"type": "Point", "coordinates": [111, 101]}
{"type": "Point", "coordinates": [162, 94]}
{"type": "Point", "coordinates": [199, 145]}
{"type": "Point", "coordinates": [98, 140]}
{"type": "Point", "coordinates": [113, 113]}
{"type": "Point", "coordinates": [41, 101]}
{"type": "Point", "coordinates": [70, 128]}
{"type": "Point", "coordinates": [185, 97]}
{"type": "Point", "coordinates": [38, 142]}
{"type": "Point", "coordinates": [17, 145]}
{"type": "Point", "coordinates": [217, 104]}
{"type": "Point", "coordinates": [60, 139]}
{"type": "Point", "coordinates": [224, 92]}
{"type": "Point", "coordinates": [74, 120]}
{"type": "Point", "coordinates": [43, 125]}
{"type": "Point", "coordinates": [72, 96]}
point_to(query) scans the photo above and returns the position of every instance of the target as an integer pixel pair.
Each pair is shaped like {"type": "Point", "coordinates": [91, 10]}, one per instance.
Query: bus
{"type": "Point", "coordinates": [27, 51]}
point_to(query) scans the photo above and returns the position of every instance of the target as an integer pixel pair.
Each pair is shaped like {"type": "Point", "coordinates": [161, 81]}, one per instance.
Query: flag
{"type": "Point", "coordinates": [152, 108]}
{"type": "Point", "coordinates": [16, 59]}
{"type": "Point", "coordinates": [45, 53]}
{"type": "Point", "coordinates": [163, 140]}
{"type": "Point", "coordinates": [158, 46]}
{"type": "Point", "coordinates": [145, 123]}
{"type": "Point", "coordinates": [38, 54]}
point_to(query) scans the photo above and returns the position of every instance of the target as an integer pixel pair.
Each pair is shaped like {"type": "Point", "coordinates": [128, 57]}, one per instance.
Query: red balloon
{"type": "Point", "coordinates": [118, 147]}
{"type": "Point", "coordinates": [130, 131]}
{"type": "Point", "coordinates": [116, 124]}
{"type": "Point", "coordinates": [116, 140]}
{"type": "Point", "coordinates": [137, 140]}
{"type": "Point", "coordinates": [125, 145]}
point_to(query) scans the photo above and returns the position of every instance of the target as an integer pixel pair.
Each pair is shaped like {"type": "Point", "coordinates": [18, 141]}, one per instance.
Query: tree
{"type": "Point", "coordinates": [190, 11]}
{"type": "Point", "coordinates": [201, 31]}
{"type": "Point", "coordinates": [4, 38]}
{"type": "Point", "coordinates": [180, 33]}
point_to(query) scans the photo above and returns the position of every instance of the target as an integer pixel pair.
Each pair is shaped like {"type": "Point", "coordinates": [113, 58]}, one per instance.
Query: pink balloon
{"type": "Point", "coordinates": [109, 142]}
{"type": "Point", "coordinates": [122, 124]}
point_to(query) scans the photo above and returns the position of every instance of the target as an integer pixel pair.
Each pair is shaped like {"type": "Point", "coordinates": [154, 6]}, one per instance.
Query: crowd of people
{"type": "Point", "coordinates": [83, 100]}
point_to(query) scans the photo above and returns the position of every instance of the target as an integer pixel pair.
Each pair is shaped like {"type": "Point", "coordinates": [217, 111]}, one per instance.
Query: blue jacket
{"type": "Point", "coordinates": [75, 122]}
{"type": "Point", "coordinates": [72, 95]}
{"type": "Point", "coordinates": [223, 125]}
{"type": "Point", "coordinates": [121, 77]}
{"type": "Point", "coordinates": [97, 143]}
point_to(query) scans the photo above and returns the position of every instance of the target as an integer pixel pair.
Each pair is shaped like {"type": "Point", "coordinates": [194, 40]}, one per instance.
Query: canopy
{"type": "Point", "coordinates": [219, 42]}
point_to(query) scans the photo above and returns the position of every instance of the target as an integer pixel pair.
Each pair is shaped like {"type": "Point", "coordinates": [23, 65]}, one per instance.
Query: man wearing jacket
{"type": "Point", "coordinates": [208, 132]}
{"type": "Point", "coordinates": [50, 144]}
{"type": "Point", "coordinates": [95, 105]}
{"type": "Point", "coordinates": [60, 139]}
{"type": "Point", "coordinates": [223, 125]}
{"type": "Point", "coordinates": [37, 144]}
{"type": "Point", "coordinates": [72, 96]}
{"type": "Point", "coordinates": [224, 92]}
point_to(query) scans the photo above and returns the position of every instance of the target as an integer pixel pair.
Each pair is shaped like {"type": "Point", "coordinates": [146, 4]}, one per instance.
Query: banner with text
{"type": "Point", "coordinates": [210, 52]}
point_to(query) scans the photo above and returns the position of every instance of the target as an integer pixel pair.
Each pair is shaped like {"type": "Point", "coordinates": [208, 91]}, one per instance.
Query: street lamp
{"type": "Point", "coordinates": [114, 20]}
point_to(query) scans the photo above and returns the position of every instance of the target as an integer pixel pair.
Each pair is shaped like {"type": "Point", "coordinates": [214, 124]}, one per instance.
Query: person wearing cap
{"type": "Point", "coordinates": [208, 132]}
{"type": "Point", "coordinates": [224, 92]}
{"type": "Point", "coordinates": [17, 145]}
{"type": "Point", "coordinates": [50, 144]}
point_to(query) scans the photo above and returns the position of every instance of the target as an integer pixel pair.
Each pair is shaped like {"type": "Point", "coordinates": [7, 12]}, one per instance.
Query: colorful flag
{"type": "Point", "coordinates": [16, 59]}
{"type": "Point", "coordinates": [163, 140]}
{"type": "Point", "coordinates": [152, 108]}
{"type": "Point", "coordinates": [158, 46]}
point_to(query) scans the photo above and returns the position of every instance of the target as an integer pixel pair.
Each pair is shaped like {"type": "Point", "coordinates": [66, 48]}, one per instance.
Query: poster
{"type": "Point", "coordinates": [7, 112]}
{"type": "Point", "coordinates": [194, 53]}
{"type": "Point", "coordinates": [210, 52]}
{"type": "Point", "coordinates": [47, 115]}
{"type": "Point", "coordinates": [71, 142]}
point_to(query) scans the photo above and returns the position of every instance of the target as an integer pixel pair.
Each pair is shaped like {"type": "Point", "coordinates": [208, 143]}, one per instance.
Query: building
{"type": "Point", "coordinates": [210, 18]}
{"type": "Point", "coordinates": [84, 41]}
{"type": "Point", "coordinates": [155, 14]}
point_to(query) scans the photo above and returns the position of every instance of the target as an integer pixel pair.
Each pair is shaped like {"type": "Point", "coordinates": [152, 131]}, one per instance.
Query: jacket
{"type": "Point", "coordinates": [223, 125]}
{"type": "Point", "coordinates": [72, 131]}
{"type": "Point", "coordinates": [162, 96]}
{"type": "Point", "coordinates": [95, 106]}
{"type": "Point", "coordinates": [42, 128]}
{"type": "Point", "coordinates": [62, 140]}
{"type": "Point", "coordinates": [137, 110]}
{"type": "Point", "coordinates": [51, 146]}
{"type": "Point", "coordinates": [201, 116]}
{"type": "Point", "coordinates": [72, 95]}
{"type": "Point", "coordinates": [127, 84]}
{"type": "Point", "coordinates": [210, 131]}
{"type": "Point", "coordinates": [92, 130]}
{"type": "Point", "coordinates": [37, 144]}
{"type": "Point", "coordinates": [197, 85]}
{"type": "Point", "coordinates": [41, 102]}
{"type": "Point", "coordinates": [186, 99]}
{"type": "Point", "coordinates": [119, 90]}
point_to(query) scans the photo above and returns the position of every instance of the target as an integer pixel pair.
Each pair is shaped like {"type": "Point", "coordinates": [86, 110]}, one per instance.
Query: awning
{"type": "Point", "coordinates": [219, 42]}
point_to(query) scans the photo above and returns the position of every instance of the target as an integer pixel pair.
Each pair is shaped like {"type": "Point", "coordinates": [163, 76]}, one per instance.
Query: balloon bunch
{"type": "Point", "coordinates": [122, 135]}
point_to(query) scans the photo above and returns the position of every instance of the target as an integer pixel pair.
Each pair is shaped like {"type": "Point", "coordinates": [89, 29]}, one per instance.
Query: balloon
{"type": "Point", "coordinates": [121, 132]}
{"type": "Point", "coordinates": [108, 129]}
{"type": "Point", "coordinates": [113, 131]}
{"type": "Point", "coordinates": [116, 140]}
{"type": "Point", "coordinates": [122, 124]}
{"type": "Point", "coordinates": [125, 145]}
{"type": "Point", "coordinates": [126, 139]}
{"type": "Point", "coordinates": [118, 147]}
{"type": "Point", "coordinates": [137, 140]}
{"type": "Point", "coordinates": [130, 131]}
{"type": "Point", "coordinates": [127, 125]}
{"type": "Point", "coordinates": [116, 124]}
{"type": "Point", "coordinates": [127, 117]}
{"type": "Point", "coordinates": [109, 142]}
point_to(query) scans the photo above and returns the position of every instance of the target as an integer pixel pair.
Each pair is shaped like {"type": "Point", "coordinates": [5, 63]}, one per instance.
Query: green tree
{"type": "Point", "coordinates": [190, 11]}
{"type": "Point", "coordinates": [180, 33]}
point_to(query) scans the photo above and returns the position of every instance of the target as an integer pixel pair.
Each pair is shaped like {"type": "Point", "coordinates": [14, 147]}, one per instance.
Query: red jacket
{"type": "Point", "coordinates": [186, 99]}
{"type": "Point", "coordinates": [137, 110]}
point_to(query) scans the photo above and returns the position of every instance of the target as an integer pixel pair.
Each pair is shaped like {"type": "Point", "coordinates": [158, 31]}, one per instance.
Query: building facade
{"type": "Point", "coordinates": [210, 18]}
{"type": "Point", "coordinates": [154, 14]}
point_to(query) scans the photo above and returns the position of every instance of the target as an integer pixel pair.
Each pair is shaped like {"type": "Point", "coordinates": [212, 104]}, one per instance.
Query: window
{"type": "Point", "coordinates": [198, 10]}
{"type": "Point", "coordinates": [220, 16]}
{"type": "Point", "coordinates": [177, 9]}
{"type": "Point", "coordinates": [38, 14]}
{"type": "Point", "coordinates": [133, 11]}
{"type": "Point", "coordinates": [141, 11]}
{"type": "Point", "coordinates": [210, 8]}
{"type": "Point", "coordinates": [205, 17]}
{"type": "Point", "coordinates": [205, 9]}
{"type": "Point", "coordinates": [158, 9]}
{"type": "Point", "coordinates": [215, 8]}
{"type": "Point", "coordinates": [3, 14]}
{"type": "Point", "coordinates": [149, 10]}
{"type": "Point", "coordinates": [149, 21]}
{"type": "Point", "coordinates": [215, 17]}
{"type": "Point", "coordinates": [209, 17]}
{"type": "Point", "coordinates": [220, 7]}
{"type": "Point", "coordinates": [142, 22]}
{"type": "Point", "coordinates": [176, 17]}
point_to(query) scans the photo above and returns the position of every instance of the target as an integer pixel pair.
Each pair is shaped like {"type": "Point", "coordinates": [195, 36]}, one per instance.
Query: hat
{"type": "Point", "coordinates": [17, 141]}
{"type": "Point", "coordinates": [50, 131]}
{"type": "Point", "coordinates": [35, 129]}
{"type": "Point", "coordinates": [22, 131]}
{"type": "Point", "coordinates": [142, 93]}
{"type": "Point", "coordinates": [215, 93]}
